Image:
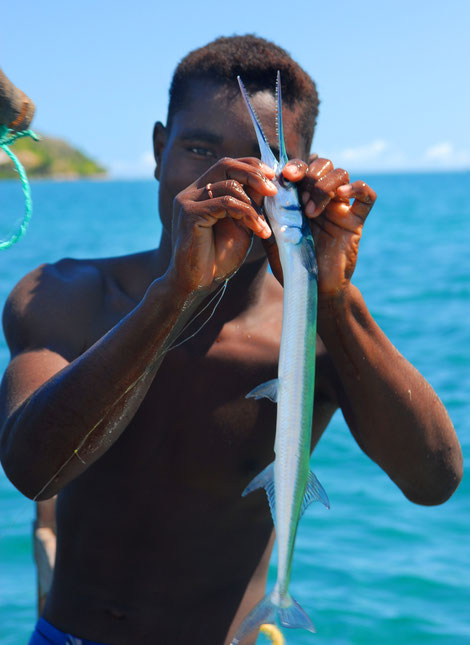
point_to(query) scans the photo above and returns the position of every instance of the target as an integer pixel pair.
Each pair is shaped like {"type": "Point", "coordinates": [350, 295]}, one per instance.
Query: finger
{"type": "Point", "coordinates": [257, 163]}
{"type": "Point", "coordinates": [272, 252]}
{"type": "Point", "coordinates": [295, 170]}
{"type": "Point", "coordinates": [252, 178]}
{"type": "Point", "coordinates": [211, 210]}
{"type": "Point", "coordinates": [319, 167]}
{"type": "Point", "coordinates": [325, 190]}
{"type": "Point", "coordinates": [246, 173]}
{"type": "Point", "coordinates": [221, 188]}
{"type": "Point", "coordinates": [231, 187]}
{"type": "Point", "coordinates": [364, 198]}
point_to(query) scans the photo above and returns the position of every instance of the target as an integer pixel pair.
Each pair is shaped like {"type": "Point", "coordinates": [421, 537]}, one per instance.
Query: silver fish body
{"type": "Point", "coordinates": [290, 484]}
{"type": "Point", "coordinates": [296, 377]}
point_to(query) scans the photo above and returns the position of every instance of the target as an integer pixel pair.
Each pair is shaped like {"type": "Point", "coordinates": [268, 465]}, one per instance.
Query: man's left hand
{"type": "Point", "coordinates": [336, 223]}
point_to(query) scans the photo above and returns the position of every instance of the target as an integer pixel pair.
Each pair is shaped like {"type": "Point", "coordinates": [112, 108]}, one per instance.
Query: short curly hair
{"type": "Point", "coordinates": [256, 60]}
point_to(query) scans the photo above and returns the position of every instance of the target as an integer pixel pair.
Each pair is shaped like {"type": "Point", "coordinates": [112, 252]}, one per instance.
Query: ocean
{"type": "Point", "coordinates": [375, 569]}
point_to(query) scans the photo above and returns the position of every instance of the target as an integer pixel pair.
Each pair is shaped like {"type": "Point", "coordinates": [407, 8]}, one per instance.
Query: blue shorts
{"type": "Point", "coordinates": [47, 634]}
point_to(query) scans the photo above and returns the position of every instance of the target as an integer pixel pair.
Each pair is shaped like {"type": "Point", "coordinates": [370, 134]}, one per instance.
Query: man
{"type": "Point", "coordinates": [150, 449]}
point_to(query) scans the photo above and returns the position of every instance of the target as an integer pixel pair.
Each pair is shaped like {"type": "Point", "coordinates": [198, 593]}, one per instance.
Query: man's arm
{"type": "Point", "coordinates": [392, 411]}
{"type": "Point", "coordinates": [61, 413]}
{"type": "Point", "coordinates": [62, 408]}
{"type": "Point", "coordinates": [394, 414]}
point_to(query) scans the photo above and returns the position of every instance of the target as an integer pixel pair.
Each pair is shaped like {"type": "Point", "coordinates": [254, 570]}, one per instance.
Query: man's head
{"type": "Point", "coordinates": [207, 118]}
{"type": "Point", "coordinates": [257, 61]}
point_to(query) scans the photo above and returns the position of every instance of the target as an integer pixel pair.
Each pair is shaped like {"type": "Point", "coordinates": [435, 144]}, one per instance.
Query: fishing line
{"type": "Point", "coordinates": [219, 293]}
{"type": "Point", "coordinates": [221, 290]}
{"type": "Point", "coordinates": [76, 453]}
{"type": "Point", "coordinates": [7, 137]}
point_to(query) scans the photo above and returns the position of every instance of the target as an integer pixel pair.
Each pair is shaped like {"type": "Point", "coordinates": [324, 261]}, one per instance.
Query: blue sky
{"type": "Point", "coordinates": [393, 77]}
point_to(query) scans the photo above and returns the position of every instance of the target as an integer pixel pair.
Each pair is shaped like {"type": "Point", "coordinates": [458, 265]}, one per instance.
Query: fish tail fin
{"type": "Point", "coordinates": [295, 617]}
{"type": "Point", "coordinates": [287, 610]}
{"type": "Point", "coordinates": [264, 612]}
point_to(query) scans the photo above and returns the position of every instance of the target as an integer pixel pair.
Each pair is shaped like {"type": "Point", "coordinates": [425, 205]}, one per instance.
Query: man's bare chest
{"type": "Point", "coordinates": [195, 423]}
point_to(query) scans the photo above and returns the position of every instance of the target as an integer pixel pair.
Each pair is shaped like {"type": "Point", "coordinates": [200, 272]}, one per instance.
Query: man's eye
{"type": "Point", "coordinates": [201, 152]}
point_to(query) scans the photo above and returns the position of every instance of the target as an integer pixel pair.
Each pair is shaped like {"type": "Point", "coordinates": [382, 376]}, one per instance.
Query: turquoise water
{"type": "Point", "coordinates": [376, 569]}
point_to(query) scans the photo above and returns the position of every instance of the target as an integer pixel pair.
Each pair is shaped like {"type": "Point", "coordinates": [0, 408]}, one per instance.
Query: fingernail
{"type": "Point", "coordinates": [267, 169]}
{"type": "Point", "coordinates": [264, 228]}
{"type": "Point", "coordinates": [310, 208]}
{"type": "Point", "coordinates": [305, 197]}
{"type": "Point", "coordinates": [265, 225]}
{"type": "Point", "coordinates": [294, 169]}
{"type": "Point", "coordinates": [270, 185]}
{"type": "Point", "coordinates": [345, 190]}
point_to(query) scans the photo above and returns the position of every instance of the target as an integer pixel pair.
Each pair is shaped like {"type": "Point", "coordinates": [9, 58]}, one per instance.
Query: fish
{"type": "Point", "coordinates": [289, 483]}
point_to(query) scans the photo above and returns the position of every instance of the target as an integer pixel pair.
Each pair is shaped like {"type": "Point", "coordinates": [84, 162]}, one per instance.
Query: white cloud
{"type": "Point", "coordinates": [141, 167]}
{"type": "Point", "coordinates": [148, 160]}
{"type": "Point", "coordinates": [445, 154]}
{"type": "Point", "coordinates": [378, 155]}
{"type": "Point", "coordinates": [440, 151]}
{"type": "Point", "coordinates": [365, 153]}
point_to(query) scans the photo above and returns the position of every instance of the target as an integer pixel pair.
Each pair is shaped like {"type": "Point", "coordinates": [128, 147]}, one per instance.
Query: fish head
{"type": "Point", "coordinates": [283, 208]}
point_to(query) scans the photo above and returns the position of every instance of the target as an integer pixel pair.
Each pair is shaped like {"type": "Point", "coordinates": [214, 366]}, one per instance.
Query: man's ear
{"type": "Point", "coordinates": [159, 143]}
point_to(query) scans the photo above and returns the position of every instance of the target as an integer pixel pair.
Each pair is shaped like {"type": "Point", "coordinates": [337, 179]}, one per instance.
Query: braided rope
{"type": "Point", "coordinates": [7, 137]}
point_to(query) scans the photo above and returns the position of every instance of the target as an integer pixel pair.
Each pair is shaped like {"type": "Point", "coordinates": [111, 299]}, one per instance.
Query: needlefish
{"type": "Point", "coordinates": [290, 484]}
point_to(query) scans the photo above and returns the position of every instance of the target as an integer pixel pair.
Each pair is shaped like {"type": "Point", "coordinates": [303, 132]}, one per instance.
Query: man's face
{"type": "Point", "coordinates": [215, 124]}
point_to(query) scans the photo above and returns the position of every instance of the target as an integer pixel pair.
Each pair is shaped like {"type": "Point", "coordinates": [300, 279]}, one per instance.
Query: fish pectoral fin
{"type": "Point", "coordinates": [265, 480]}
{"type": "Point", "coordinates": [314, 492]}
{"type": "Point", "coordinates": [307, 256]}
{"type": "Point", "coordinates": [266, 390]}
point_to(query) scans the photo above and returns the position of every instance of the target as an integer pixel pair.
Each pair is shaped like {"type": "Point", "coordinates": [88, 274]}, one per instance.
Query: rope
{"type": "Point", "coordinates": [273, 633]}
{"type": "Point", "coordinates": [7, 137]}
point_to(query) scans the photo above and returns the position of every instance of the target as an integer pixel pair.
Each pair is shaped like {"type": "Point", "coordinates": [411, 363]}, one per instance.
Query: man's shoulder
{"type": "Point", "coordinates": [52, 286]}
{"type": "Point", "coordinates": [53, 300]}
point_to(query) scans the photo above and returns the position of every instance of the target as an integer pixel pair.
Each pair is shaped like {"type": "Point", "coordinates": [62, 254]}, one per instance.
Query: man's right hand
{"type": "Point", "coordinates": [214, 219]}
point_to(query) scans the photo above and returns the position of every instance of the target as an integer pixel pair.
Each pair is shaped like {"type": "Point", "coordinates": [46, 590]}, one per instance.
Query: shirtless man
{"type": "Point", "coordinates": [149, 452]}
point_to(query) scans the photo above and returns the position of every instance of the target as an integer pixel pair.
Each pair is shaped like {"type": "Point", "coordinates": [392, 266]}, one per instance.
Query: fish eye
{"type": "Point", "coordinates": [283, 182]}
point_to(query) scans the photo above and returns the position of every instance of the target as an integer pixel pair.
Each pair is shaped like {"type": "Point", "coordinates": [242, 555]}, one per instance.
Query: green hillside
{"type": "Point", "coordinates": [49, 157]}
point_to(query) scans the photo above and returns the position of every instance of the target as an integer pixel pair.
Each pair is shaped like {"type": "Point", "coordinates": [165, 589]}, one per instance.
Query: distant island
{"type": "Point", "coordinates": [49, 157]}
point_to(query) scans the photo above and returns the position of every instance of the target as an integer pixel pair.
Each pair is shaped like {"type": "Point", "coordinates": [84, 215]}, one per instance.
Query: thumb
{"type": "Point", "coordinates": [272, 252]}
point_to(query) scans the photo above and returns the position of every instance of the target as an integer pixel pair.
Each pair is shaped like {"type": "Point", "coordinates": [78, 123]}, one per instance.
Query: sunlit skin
{"type": "Point", "coordinates": [155, 543]}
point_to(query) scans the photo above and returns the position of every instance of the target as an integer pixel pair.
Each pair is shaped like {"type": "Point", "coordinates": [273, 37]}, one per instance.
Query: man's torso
{"type": "Point", "coordinates": [155, 541]}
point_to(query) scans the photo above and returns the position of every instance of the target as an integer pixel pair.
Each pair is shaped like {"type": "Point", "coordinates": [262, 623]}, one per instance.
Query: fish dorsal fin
{"type": "Point", "coordinates": [283, 159]}
{"type": "Point", "coordinates": [314, 492]}
{"type": "Point", "coordinates": [267, 155]}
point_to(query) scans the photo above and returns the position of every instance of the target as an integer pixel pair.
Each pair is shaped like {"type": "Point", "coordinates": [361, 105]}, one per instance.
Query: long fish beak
{"type": "Point", "coordinates": [283, 158]}
{"type": "Point", "coordinates": [267, 155]}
